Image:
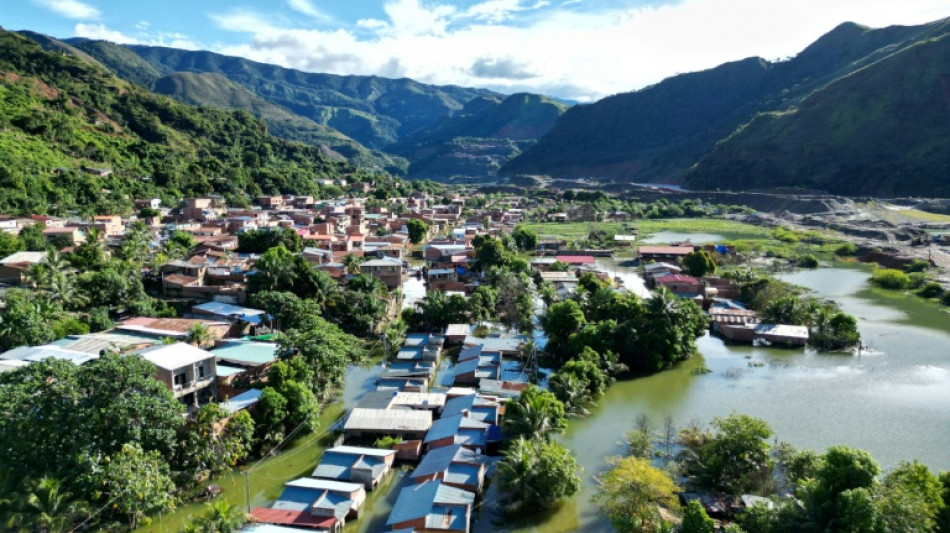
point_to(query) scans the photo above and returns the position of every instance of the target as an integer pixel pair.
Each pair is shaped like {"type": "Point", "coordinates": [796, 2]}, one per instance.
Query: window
{"type": "Point", "coordinates": [181, 378]}
{"type": "Point", "coordinates": [201, 371]}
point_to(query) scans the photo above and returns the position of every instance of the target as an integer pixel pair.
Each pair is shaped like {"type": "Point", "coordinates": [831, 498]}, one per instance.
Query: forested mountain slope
{"type": "Point", "coordinates": [61, 117]}
{"type": "Point", "coordinates": [658, 133]}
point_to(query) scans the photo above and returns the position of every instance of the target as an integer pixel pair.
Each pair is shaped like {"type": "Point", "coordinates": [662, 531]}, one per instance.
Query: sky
{"type": "Point", "coordinates": [579, 50]}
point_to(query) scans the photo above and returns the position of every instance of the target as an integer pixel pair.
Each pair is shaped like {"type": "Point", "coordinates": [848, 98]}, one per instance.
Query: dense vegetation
{"type": "Point", "coordinates": [843, 126]}
{"type": "Point", "coordinates": [838, 491]}
{"type": "Point", "coordinates": [61, 118]}
{"type": "Point", "coordinates": [878, 136]}
{"type": "Point", "coordinates": [444, 131]}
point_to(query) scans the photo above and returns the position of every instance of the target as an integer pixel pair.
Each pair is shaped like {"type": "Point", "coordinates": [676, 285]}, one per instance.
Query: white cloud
{"type": "Point", "coordinates": [100, 32]}
{"type": "Point", "coordinates": [566, 50]}
{"type": "Point", "coordinates": [73, 9]}
{"type": "Point", "coordinates": [307, 8]}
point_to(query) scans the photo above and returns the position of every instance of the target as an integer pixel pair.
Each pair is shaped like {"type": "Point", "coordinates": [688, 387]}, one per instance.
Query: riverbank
{"type": "Point", "coordinates": [887, 401]}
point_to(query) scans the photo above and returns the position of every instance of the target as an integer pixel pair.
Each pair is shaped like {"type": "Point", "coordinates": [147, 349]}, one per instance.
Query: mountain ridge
{"type": "Point", "coordinates": [657, 134]}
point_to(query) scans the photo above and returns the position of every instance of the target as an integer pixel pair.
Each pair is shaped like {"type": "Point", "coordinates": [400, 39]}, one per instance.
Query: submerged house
{"type": "Point", "coordinates": [458, 429]}
{"type": "Point", "coordinates": [455, 465]}
{"type": "Point", "coordinates": [355, 464]}
{"type": "Point", "coordinates": [322, 498]}
{"type": "Point", "coordinates": [432, 506]}
{"type": "Point", "coordinates": [403, 423]}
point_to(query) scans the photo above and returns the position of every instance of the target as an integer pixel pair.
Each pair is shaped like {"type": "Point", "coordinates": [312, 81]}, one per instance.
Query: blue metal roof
{"type": "Point", "coordinates": [417, 501]}
{"type": "Point", "coordinates": [439, 459]}
{"type": "Point", "coordinates": [454, 425]}
{"type": "Point", "coordinates": [242, 401]}
{"type": "Point", "coordinates": [247, 352]}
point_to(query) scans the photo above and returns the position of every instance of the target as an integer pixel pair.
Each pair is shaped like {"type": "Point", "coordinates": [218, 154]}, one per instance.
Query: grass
{"type": "Point", "coordinates": [266, 479]}
{"type": "Point", "coordinates": [729, 229]}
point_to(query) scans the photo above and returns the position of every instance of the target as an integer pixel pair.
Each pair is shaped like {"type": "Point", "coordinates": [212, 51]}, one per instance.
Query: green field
{"type": "Point", "coordinates": [731, 230]}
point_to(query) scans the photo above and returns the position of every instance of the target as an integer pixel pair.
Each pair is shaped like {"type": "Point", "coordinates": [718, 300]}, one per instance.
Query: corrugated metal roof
{"type": "Point", "coordinates": [439, 459]}
{"type": "Point", "coordinates": [242, 401]}
{"type": "Point", "coordinates": [247, 352]}
{"type": "Point", "coordinates": [388, 420]}
{"type": "Point", "coordinates": [417, 501]}
{"type": "Point", "coordinates": [453, 425]}
{"type": "Point", "coordinates": [174, 356]}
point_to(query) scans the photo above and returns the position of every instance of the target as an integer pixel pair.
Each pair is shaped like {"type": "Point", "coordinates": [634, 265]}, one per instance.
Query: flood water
{"type": "Point", "coordinates": [893, 400]}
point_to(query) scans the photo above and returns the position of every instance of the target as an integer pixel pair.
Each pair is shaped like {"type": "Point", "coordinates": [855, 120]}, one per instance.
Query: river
{"type": "Point", "coordinates": [893, 400]}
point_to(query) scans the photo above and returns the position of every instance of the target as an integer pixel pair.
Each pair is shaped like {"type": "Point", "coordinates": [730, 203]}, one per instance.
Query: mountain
{"type": "Point", "coordinates": [374, 122]}
{"type": "Point", "coordinates": [374, 111]}
{"type": "Point", "coordinates": [76, 138]}
{"type": "Point", "coordinates": [214, 90]}
{"type": "Point", "coordinates": [657, 134]}
{"type": "Point", "coordinates": [477, 140]}
{"type": "Point", "coordinates": [883, 131]}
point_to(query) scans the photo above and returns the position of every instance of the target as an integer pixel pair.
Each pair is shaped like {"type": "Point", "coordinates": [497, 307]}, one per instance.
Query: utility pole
{"type": "Point", "coordinates": [247, 489]}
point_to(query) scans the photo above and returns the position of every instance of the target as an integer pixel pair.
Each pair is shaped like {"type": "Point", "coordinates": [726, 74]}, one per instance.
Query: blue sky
{"type": "Point", "coordinates": [576, 49]}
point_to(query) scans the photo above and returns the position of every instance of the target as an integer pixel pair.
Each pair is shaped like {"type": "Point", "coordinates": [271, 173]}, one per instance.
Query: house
{"type": "Point", "coordinates": [189, 372]}
{"type": "Point", "coordinates": [241, 317]}
{"type": "Point", "coordinates": [455, 466]}
{"type": "Point", "coordinates": [432, 506]}
{"type": "Point", "coordinates": [355, 464]}
{"type": "Point", "coordinates": [455, 333]}
{"type": "Point", "coordinates": [773, 334]}
{"type": "Point", "coordinates": [322, 498]}
{"type": "Point", "coordinates": [681, 285]}
{"type": "Point", "coordinates": [651, 271]}
{"type": "Point", "coordinates": [576, 260]}
{"type": "Point", "coordinates": [13, 267]}
{"type": "Point", "coordinates": [386, 270]}
{"type": "Point", "coordinates": [427, 401]}
{"type": "Point", "coordinates": [409, 380]}
{"type": "Point", "coordinates": [176, 328]}
{"type": "Point", "coordinates": [68, 234]}
{"type": "Point", "coordinates": [403, 423]}
{"type": "Point", "coordinates": [244, 401]}
{"type": "Point", "coordinates": [457, 429]}
{"type": "Point", "coordinates": [267, 520]}
{"type": "Point", "coordinates": [502, 343]}
{"type": "Point", "coordinates": [664, 253]}
{"type": "Point", "coordinates": [246, 357]}
{"type": "Point", "coordinates": [35, 354]}
{"type": "Point", "coordinates": [472, 369]}
{"type": "Point", "coordinates": [481, 408]}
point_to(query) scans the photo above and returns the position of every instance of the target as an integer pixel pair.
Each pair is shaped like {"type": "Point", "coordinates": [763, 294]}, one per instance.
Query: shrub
{"type": "Point", "coordinates": [848, 249]}
{"type": "Point", "coordinates": [946, 298]}
{"type": "Point", "coordinates": [917, 265]}
{"type": "Point", "coordinates": [808, 261]}
{"type": "Point", "coordinates": [890, 278]}
{"type": "Point", "coordinates": [931, 290]}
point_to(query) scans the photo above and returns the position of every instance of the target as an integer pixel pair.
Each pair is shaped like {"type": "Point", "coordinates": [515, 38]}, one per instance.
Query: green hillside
{"type": "Point", "coordinates": [372, 110]}
{"type": "Point", "coordinates": [61, 116]}
{"type": "Point", "coordinates": [883, 130]}
{"type": "Point", "coordinates": [481, 137]}
{"type": "Point", "coordinates": [214, 90]}
{"type": "Point", "coordinates": [658, 133]}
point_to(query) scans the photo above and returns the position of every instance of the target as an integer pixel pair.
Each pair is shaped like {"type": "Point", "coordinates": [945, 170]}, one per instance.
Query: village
{"type": "Point", "coordinates": [445, 424]}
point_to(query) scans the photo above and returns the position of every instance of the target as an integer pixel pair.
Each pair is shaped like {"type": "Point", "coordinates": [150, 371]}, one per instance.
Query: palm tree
{"type": "Point", "coordinates": [351, 263]}
{"type": "Point", "coordinates": [535, 414]}
{"type": "Point", "coordinates": [222, 517]}
{"type": "Point", "coordinates": [514, 473]}
{"type": "Point", "coordinates": [45, 506]}
{"type": "Point", "coordinates": [200, 335]}
{"type": "Point", "coordinates": [62, 289]}
{"type": "Point", "coordinates": [37, 276]}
